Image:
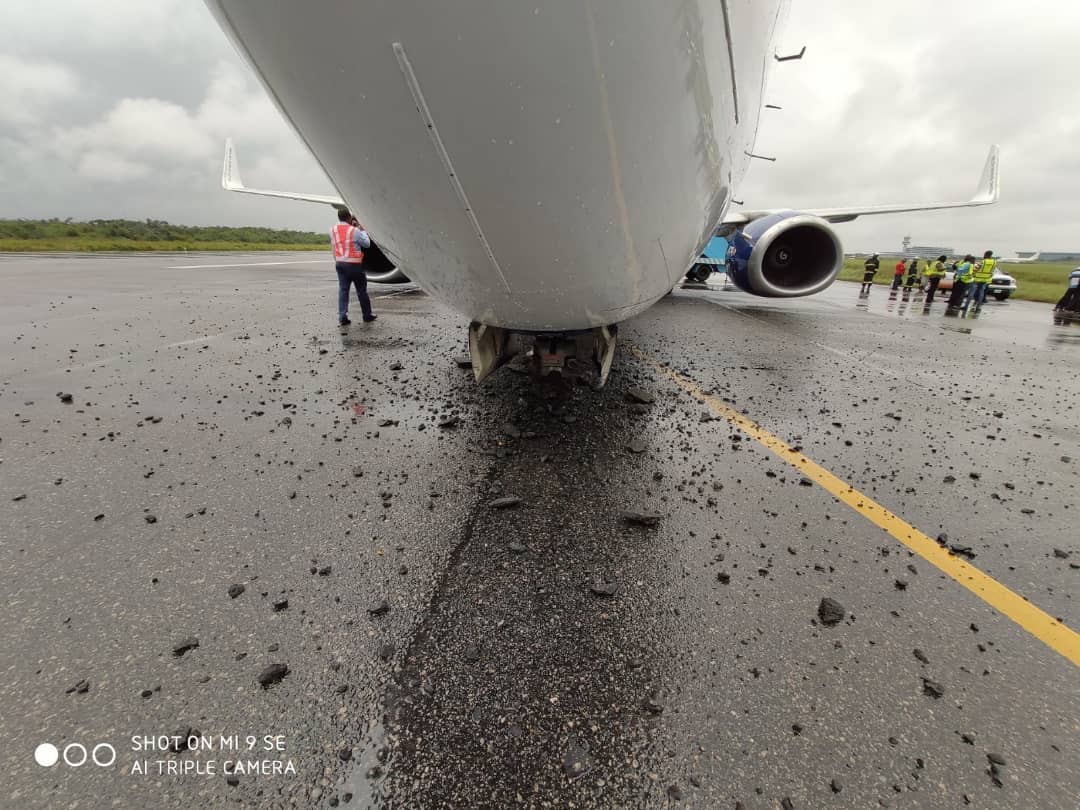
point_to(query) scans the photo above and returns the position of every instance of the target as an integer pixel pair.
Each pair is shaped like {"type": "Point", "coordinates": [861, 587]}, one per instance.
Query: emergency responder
{"type": "Point", "coordinates": [933, 273]}
{"type": "Point", "coordinates": [898, 274]}
{"type": "Point", "coordinates": [913, 274]}
{"type": "Point", "coordinates": [349, 240]}
{"type": "Point", "coordinates": [1069, 305]}
{"type": "Point", "coordinates": [870, 268]}
{"type": "Point", "coordinates": [961, 279]}
{"type": "Point", "coordinates": [982, 275]}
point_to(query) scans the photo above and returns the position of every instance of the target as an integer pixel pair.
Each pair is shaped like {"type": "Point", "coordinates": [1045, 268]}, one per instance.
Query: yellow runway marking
{"type": "Point", "coordinates": [1040, 624]}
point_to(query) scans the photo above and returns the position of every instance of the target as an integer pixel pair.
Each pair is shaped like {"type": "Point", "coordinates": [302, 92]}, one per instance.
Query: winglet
{"type": "Point", "coordinates": [230, 181]}
{"type": "Point", "coordinates": [989, 189]}
{"type": "Point", "coordinates": [230, 171]}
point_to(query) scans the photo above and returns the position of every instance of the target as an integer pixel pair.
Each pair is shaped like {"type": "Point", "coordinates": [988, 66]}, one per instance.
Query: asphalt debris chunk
{"type": "Point", "coordinates": [505, 502]}
{"type": "Point", "coordinates": [576, 762]}
{"type": "Point", "coordinates": [653, 704]}
{"type": "Point", "coordinates": [235, 590]}
{"type": "Point", "coordinates": [641, 518]}
{"type": "Point", "coordinates": [185, 645]}
{"type": "Point", "coordinates": [271, 674]}
{"type": "Point", "coordinates": [932, 688]}
{"type": "Point", "coordinates": [601, 587]}
{"type": "Point", "coordinates": [640, 395]}
{"type": "Point", "coordinates": [830, 612]}
{"type": "Point", "coordinates": [379, 608]}
{"type": "Point", "coordinates": [79, 688]}
{"type": "Point", "coordinates": [180, 738]}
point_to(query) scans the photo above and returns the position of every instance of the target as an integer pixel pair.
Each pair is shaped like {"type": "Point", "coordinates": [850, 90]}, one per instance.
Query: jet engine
{"type": "Point", "coordinates": [784, 255]}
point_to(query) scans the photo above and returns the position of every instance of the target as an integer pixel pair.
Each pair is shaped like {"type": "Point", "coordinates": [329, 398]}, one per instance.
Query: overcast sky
{"type": "Point", "coordinates": [119, 108]}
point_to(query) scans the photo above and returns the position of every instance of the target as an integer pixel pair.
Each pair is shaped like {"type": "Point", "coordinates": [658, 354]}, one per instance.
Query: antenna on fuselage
{"type": "Point", "coordinates": [791, 57]}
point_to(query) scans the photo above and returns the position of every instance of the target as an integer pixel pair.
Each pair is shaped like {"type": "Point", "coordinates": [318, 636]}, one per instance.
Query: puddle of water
{"type": "Point", "coordinates": [366, 783]}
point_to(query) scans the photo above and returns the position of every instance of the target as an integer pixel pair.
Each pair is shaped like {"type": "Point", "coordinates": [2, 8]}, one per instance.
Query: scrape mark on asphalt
{"type": "Point", "coordinates": [532, 673]}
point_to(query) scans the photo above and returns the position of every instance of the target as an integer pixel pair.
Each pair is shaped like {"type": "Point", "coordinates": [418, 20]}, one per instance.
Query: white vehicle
{"type": "Point", "coordinates": [545, 169]}
{"type": "Point", "coordinates": [1002, 285]}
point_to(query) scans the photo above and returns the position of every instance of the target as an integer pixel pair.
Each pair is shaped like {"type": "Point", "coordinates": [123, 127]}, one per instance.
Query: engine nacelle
{"type": "Point", "coordinates": [784, 255]}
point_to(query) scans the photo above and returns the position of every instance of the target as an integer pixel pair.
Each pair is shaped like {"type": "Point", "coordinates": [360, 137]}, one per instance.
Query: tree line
{"type": "Point", "coordinates": [152, 230]}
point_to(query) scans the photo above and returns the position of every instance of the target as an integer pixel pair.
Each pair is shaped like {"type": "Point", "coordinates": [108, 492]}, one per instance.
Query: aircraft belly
{"type": "Point", "coordinates": [538, 167]}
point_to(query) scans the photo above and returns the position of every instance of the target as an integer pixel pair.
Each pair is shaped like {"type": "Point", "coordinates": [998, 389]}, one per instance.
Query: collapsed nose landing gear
{"type": "Point", "coordinates": [575, 357]}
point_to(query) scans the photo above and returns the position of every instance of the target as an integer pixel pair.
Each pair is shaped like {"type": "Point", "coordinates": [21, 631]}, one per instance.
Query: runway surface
{"type": "Point", "coordinates": [443, 652]}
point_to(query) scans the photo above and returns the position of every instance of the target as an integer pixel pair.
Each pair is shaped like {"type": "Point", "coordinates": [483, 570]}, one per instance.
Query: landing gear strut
{"type": "Point", "coordinates": [583, 357]}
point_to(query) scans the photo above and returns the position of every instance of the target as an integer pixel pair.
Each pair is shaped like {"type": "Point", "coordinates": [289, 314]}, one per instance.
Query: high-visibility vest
{"type": "Point", "coordinates": [934, 270]}
{"type": "Point", "coordinates": [963, 273]}
{"type": "Point", "coordinates": [346, 250]}
{"type": "Point", "coordinates": [984, 271]}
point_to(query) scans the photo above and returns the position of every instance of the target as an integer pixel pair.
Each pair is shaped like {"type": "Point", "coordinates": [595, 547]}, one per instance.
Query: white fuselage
{"type": "Point", "coordinates": [536, 166]}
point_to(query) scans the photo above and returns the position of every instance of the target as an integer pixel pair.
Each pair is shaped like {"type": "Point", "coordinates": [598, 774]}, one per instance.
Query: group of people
{"type": "Point", "coordinates": [971, 278]}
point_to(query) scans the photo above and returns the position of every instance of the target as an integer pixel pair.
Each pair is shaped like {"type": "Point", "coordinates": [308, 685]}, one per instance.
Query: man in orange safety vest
{"type": "Point", "coordinates": [350, 240]}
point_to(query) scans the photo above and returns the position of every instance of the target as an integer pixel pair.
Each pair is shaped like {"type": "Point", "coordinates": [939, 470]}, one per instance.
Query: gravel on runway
{"type": "Point", "coordinates": [248, 521]}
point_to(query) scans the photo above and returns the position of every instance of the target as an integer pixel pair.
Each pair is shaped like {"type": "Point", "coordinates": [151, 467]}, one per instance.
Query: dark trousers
{"type": "Point", "coordinates": [349, 275]}
{"type": "Point", "coordinates": [957, 297]}
{"type": "Point", "coordinates": [931, 288]}
{"type": "Point", "coordinates": [897, 281]}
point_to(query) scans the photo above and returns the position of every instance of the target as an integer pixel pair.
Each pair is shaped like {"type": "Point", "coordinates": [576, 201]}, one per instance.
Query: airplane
{"type": "Point", "coordinates": [548, 170]}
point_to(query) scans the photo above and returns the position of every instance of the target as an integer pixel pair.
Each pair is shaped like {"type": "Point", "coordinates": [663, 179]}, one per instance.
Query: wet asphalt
{"type": "Point", "coordinates": [466, 615]}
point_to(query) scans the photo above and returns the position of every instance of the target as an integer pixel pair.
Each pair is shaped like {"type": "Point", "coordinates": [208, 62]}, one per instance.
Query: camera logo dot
{"type": "Point", "coordinates": [46, 755]}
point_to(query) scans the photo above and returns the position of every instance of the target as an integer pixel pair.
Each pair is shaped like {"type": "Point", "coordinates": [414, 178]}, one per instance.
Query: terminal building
{"type": "Point", "coordinates": [909, 249]}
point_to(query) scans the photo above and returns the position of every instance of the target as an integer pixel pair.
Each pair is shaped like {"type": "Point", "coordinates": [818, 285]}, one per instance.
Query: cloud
{"type": "Point", "coordinates": [29, 88]}
{"type": "Point", "coordinates": [110, 167]}
{"type": "Point", "coordinates": [148, 128]}
{"type": "Point", "coordinates": [899, 103]}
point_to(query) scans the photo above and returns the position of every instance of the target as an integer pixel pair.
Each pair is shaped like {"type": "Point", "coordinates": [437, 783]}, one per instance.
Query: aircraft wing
{"type": "Point", "coordinates": [230, 181]}
{"type": "Point", "coordinates": [987, 192]}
